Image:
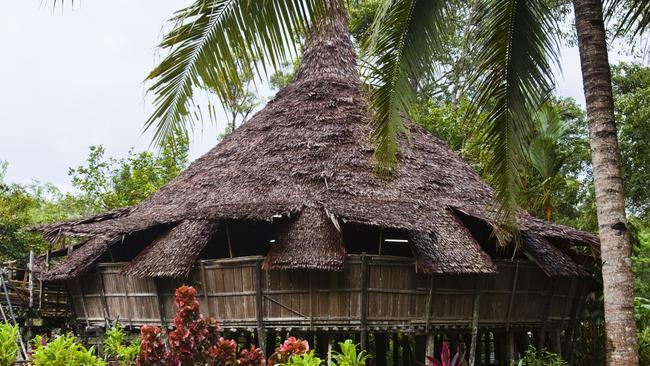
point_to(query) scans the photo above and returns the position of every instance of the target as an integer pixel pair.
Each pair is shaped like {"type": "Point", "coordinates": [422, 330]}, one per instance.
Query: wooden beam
{"type": "Point", "coordinates": [511, 301]}
{"type": "Point", "coordinates": [364, 300]}
{"type": "Point", "coordinates": [103, 298]}
{"type": "Point", "coordinates": [259, 305]}
{"type": "Point", "coordinates": [204, 279]}
{"type": "Point", "coordinates": [161, 304]}
{"type": "Point", "coordinates": [427, 316]}
{"type": "Point", "coordinates": [475, 315]}
{"type": "Point", "coordinates": [430, 347]}
{"type": "Point", "coordinates": [541, 341]}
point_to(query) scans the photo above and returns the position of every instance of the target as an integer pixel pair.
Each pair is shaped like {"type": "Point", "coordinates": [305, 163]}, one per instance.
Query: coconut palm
{"type": "Point", "coordinates": [515, 46]}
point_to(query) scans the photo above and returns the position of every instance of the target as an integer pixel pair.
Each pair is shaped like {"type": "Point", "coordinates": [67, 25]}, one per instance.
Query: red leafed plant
{"type": "Point", "coordinates": [291, 346]}
{"type": "Point", "coordinates": [445, 357]}
{"type": "Point", "coordinates": [252, 357]}
{"type": "Point", "coordinates": [197, 340]}
{"type": "Point", "coordinates": [152, 348]}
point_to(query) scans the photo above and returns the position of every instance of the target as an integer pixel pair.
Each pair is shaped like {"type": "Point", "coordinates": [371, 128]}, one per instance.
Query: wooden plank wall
{"type": "Point", "coordinates": [397, 297]}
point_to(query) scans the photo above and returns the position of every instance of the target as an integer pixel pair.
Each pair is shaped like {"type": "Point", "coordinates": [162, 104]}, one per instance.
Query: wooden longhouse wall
{"type": "Point", "coordinates": [395, 297]}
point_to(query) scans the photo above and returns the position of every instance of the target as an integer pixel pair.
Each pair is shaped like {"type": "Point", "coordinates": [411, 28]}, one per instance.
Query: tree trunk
{"type": "Point", "coordinates": [612, 224]}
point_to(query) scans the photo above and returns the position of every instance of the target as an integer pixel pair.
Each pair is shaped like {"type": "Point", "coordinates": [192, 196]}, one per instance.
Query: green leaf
{"type": "Point", "coordinates": [405, 37]}
{"type": "Point", "coordinates": [516, 44]}
{"type": "Point", "coordinates": [209, 44]}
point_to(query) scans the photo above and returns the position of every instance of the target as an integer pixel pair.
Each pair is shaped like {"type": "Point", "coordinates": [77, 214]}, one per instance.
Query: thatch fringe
{"type": "Point", "coordinates": [83, 258]}
{"type": "Point", "coordinates": [309, 241]}
{"type": "Point", "coordinates": [173, 253]}
{"type": "Point", "coordinates": [549, 258]}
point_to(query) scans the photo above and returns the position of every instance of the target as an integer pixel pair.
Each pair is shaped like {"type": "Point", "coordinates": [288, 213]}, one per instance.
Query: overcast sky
{"type": "Point", "coordinates": [73, 78]}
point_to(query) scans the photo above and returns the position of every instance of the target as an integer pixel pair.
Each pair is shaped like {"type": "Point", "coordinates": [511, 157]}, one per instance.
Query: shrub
{"type": "Point", "coordinates": [534, 357]}
{"type": "Point", "coordinates": [445, 357]}
{"type": "Point", "coordinates": [116, 346]}
{"type": "Point", "coordinates": [64, 350]}
{"type": "Point", "coordinates": [290, 347]}
{"type": "Point", "coordinates": [306, 359]}
{"type": "Point", "coordinates": [152, 348]}
{"type": "Point", "coordinates": [252, 357]}
{"type": "Point", "coordinates": [348, 355]}
{"type": "Point", "coordinates": [8, 344]}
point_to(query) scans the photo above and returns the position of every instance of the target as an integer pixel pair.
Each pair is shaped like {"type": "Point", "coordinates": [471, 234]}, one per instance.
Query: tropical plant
{"type": "Point", "coordinates": [8, 344]}
{"type": "Point", "coordinates": [252, 356]}
{"type": "Point", "coordinates": [152, 348]}
{"type": "Point", "coordinates": [292, 346]}
{"type": "Point", "coordinates": [64, 350]}
{"type": "Point", "coordinates": [618, 282]}
{"type": "Point", "coordinates": [306, 359]}
{"type": "Point", "coordinates": [116, 346]}
{"type": "Point", "coordinates": [446, 359]}
{"type": "Point", "coordinates": [349, 355]}
{"type": "Point", "coordinates": [534, 357]}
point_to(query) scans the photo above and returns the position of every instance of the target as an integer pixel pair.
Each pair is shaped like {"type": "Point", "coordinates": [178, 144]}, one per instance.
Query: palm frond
{"type": "Point", "coordinates": [214, 42]}
{"type": "Point", "coordinates": [634, 15]}
{"type": "Point", "coordinates": [515, 44]}
{"type": "Point", "coordinates": [405, 37]}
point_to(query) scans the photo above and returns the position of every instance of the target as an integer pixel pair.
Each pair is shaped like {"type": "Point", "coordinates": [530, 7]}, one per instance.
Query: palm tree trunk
{"type": "Point", "coordinates": [614, 236]}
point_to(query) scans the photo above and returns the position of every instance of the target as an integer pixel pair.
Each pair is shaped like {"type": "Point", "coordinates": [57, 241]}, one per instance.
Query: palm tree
{"type": "Point", "coordinates": [618, 287]}
{"type": "Point", "coordinates": [516, 46]}
{"type": "Point", "coordinates": [544, 154]}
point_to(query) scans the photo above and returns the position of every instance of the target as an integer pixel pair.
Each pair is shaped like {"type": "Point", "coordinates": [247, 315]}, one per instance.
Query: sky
{"type": "Point", "coordinates": [73, 77]}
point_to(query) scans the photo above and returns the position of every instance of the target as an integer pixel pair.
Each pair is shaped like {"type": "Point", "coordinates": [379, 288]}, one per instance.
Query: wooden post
{"type": "Point", "coordinates": [30, 282]}
{"type": "Point", "coordinates": [427, 316]}
{"type": "Point", "coordinates": [228, 239]}
{"type": "Point", "coordinates": [430, 347]}
{"type": "Point", "coordinates": [475, 314]}
{"type": "Point", "coordinates": [259, 304]}
{"type": "Point", "coordinates": [161, 305]}
{"type": "Point", "coordinates": [541, 341]}
{"type": "Point", "coordinates": [364, 300]}
{"type": "Point", "coordinates": [103, 298]}
{"type": "Point", "coordinates": [511, 301]}
{"type": "Point", "coordinates": [511, 345]}
{"type": "Point", "coordinates": [395, 344]}
{"type": "Point", "coordinates": [204, 279]}
{"type": "Point", "coordinates": [83, 301]}
{"type": "Point", "coordinates": [406, 349]}
{"type": "Point", "coordinates": [330, 341]}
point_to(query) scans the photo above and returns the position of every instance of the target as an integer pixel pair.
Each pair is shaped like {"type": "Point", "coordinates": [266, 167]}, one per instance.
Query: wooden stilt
{"type": "Point", "coordinates": [259, 306]}
{"type": "Point", "coordinates": [364, 300]}
{"type": "Point", "coordinates": [406, 349]}
{"type": "Point", "coordinates": [511, 346]}
{"type": "Point", "coordinates": [430, 347]}
{"type": "Point", "coordinates": [475, 314]}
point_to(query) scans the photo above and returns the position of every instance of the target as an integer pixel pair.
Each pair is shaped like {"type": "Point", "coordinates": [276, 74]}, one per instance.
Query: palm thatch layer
{"type": "Point", "coordinates": [306, 156]}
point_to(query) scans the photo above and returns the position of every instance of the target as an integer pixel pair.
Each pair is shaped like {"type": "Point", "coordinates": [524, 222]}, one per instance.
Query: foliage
{"type": "Point", "coordinates": [512, 78]}
{"type": "Point", "coordinates": [196, 339]}
{"type": "Point", "coordinates": [152, 348]}
{"type": "Point", "coordinates": [349, 356]}
{"type": "Point", "coordinates": [290, 347]}
{"type": "Point", "coordinates": [534, 357]}
{"type": "Point", "coordinates": [306, 359]}
{"type": "Point", "coordinates": [631, 85]}
{"type": "Point", "coordinates": [64, 350]}
{"type": "Point", "coordinates": [116, 346]}
{"type": "Point", "coordinates": [446, 359]}
{"type": "Point", "coordinates": [106, 183]}
{"type": "Point", "coordinates": [405, 37]}
{"type": "Point", "coordinates": [252, 356]}
{"type": "Point", "coordinates": [214, 42]}
{"type": "Point", "coordinates": [8, 344]}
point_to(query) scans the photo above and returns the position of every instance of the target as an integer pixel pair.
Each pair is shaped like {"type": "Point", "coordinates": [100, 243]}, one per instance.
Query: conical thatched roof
{"type": "Point", "coordinates": [306, 156]}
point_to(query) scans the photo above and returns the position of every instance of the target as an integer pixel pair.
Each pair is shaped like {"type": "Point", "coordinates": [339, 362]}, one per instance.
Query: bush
{"type": "Point", "coordinates": [348, 355]}
{"type": "Point", "coordinates": [64, 350]}
{"type": "Point", "coordinates": [117, 347]}
{"type": "Point", "coordinates": [534, 357]}
{"type": "Point", "coordinates": [8, 344]}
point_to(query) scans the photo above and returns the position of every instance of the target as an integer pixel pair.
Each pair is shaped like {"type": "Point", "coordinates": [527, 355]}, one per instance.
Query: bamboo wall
{"type": "Point", "coordinates": [372, 293]}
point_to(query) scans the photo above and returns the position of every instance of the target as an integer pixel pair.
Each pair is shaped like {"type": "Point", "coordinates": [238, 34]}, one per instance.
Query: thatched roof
{"type": "Point", "coordinates": [306, 156]}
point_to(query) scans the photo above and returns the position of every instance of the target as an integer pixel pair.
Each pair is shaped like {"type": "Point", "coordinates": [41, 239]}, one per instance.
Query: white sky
{"type": "Point", "coordinates": [73, 78]}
